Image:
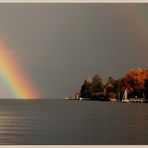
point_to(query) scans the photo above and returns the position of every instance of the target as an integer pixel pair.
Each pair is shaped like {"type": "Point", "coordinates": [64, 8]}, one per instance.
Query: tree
{"type": "Point", "coordinates": [109, 85]}
{"type": "Point", "coordinates": [146, 89]}
{"type": "Point", "coordinates": [85, 91]}
{"type": "Point", "coordinates": [135, 82]}
{"type": "Point", "coordinates": [113, 88]}
{"type": "Point", "coordinates": [146, 84]}
{"type": "Point", "coordinates": [97, 85]}
{"type": "Point", "coordinates": [117, 85]}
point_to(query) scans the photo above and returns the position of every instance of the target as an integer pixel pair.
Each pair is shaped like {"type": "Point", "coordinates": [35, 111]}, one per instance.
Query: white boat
{"type": "Point", "coordinates": [125, 99]}
{"type": "Point", "coordinates": [84, 99]}
{"type": "Point", "coordinates": [133, 100]}
{"type": "Point", "coordinates": [67, 98]}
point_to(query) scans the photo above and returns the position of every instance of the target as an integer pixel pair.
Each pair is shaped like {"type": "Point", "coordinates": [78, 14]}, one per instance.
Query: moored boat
{"type": "Point", "coordinates": [84, 99]}
{"type": "Point", "coordinates": [125, 99]}
{"type": "Point", "coordinates": [133, 100]}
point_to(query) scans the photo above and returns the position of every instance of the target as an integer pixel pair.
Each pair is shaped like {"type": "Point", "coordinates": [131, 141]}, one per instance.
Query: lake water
{"type": "Point", "coordinates": [62, 122]}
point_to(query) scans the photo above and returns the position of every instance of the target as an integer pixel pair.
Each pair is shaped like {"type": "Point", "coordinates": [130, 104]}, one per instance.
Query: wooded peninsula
{"type": "Point", "coordinates": [135, 82]}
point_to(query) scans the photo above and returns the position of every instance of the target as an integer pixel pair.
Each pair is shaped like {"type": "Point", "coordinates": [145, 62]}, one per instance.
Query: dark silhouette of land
{"type": "Point", "coordinates": [135, 82]}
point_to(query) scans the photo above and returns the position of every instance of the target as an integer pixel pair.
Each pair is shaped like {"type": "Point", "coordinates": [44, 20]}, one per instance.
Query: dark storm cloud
{"type": "Point", "coordinates": [60, 44]}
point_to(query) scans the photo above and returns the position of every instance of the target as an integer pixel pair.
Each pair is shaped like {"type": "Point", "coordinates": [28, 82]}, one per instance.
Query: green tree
{"type": "Point", "coordinates": [85, 91]}
{"type": "Point", "coordinates": [116, 88]}
{"type": "Point", "coordinates": [113, 88]}
{"type": "Point", "coordinates": [146, 89]}
{"type": "Point", "coordinates": [97, 85]}
{"type": "Point", "coordinates": [109, 85]}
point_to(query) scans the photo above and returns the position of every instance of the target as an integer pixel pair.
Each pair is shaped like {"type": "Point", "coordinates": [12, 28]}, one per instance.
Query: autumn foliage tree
{"type": "Point", "coordinates": [135, 82]}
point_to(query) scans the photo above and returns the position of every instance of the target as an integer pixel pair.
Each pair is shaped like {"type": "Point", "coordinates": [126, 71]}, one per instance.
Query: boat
{"type": "Point", "coordinates": [125, 99]}
{"type": "Point", "coordinates": [81, 99]}
{"type": "Point", "coordinates": [133, 100]}
{"type": "Point", "coordinates": [70, 98]}
{"type": "Point", "coordinates": [67, 98]}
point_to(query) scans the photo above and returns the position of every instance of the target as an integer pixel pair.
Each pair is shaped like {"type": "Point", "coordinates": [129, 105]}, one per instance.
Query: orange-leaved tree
{"type": "Point", "coordinates": [134, 82]}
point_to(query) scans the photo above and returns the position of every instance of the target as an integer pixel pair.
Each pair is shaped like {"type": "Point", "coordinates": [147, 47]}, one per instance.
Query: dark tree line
{"type": "Point", "coordinates": [136, 82]}
{"type": "Point", "coordinates": [93, 89]}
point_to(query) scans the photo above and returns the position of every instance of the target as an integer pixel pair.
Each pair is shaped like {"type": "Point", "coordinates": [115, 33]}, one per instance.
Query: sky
{"type": "Point", "coordinates": [59, 45]}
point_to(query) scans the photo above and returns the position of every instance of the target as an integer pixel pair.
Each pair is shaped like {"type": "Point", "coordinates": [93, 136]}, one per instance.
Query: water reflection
{"type": "Point", "coordinates": [63, 122]}
{"type": "Point", "coordinates": [134, 125]}
{"type": "Point", "coordinates": [11, 127]}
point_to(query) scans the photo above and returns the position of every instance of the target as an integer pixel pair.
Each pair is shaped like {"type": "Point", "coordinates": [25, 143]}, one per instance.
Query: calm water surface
{"type": "Point", "coordinates": [57, 121]}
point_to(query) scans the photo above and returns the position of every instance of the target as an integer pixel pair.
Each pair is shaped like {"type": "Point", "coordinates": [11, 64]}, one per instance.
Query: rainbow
{"type": "Point", "coordinates": [13, 81]}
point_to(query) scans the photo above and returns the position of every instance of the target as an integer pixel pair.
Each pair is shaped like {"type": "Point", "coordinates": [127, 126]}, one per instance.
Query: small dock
{"type": "Point", "coordinates": [137, 100]}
